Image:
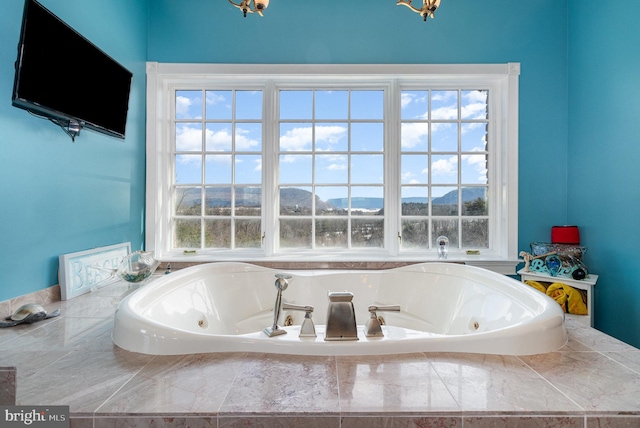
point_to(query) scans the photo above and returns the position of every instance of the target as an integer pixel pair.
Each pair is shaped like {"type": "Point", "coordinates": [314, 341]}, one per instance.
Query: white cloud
{"type": "Point", "coordinates": [331, 134]}
{"type": "Point", "coordinates": [243, 141]}
{"type": "Point", "coordinates": [296, 139]}
{"type": "Point", "coordinates": [445, 166]}
{"type": "Point", "coordinates": [188, 138]}
{"type": "Point", "coordinates": [414, 134]}
{"type": "Point", "coordinates": [183, 105]}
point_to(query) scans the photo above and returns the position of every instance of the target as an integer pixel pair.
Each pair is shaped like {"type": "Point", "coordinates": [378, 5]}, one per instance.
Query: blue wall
{"type": "Point", "coordinates": [603, 191]}
{"type": "Point", "coordinates": [57, 196]}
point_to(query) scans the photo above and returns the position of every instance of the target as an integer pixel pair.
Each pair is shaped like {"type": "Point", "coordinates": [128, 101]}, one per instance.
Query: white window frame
{"type": "Point", "coordinates": [501, 80]}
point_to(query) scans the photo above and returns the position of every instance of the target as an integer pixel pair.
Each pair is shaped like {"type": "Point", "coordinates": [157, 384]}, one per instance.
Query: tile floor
{"type": "Point", "coordinates": [594, 381]}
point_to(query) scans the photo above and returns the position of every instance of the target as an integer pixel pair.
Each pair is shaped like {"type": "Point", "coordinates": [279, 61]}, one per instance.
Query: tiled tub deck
{"type": "Point", "coordinates": [594, 381]}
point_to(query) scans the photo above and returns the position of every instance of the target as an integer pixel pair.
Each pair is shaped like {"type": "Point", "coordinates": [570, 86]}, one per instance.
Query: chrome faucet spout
{"type": "Point", "coordinates": [341, 317]}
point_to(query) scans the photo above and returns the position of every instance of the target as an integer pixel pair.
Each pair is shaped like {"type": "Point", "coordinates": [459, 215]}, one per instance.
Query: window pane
{"type": "Point", "coordinates": [367, 200]}
{"type": "Point", "coordinates": [474, 137]}
{"type": "Point", "coordinates": [444, 105]}
{"type": "Point", "coordinates": [367, 137]}
{"type": "Point", "coordinates": [295, 201]}
{"type": "Point", "coordinates": [474, 201]}
{"type": "Point", "coordinates": [332, 137]}
{"type": "Point", "coordinates": [444, 137]}
{"type": "Point", "coordinates": [332, 169]}
{"type": "Point", "coordinates": [295, 169]}
{"type": "Point", "coordinates": [295, 233]}
{"type": "Point", "coordinates": [415, 234]}
{"type": "Point", "coordinates": [445, 201]}
{"type": "Point", "coordinates": [248, 169]}
{"type": "Point", "coordinates": [248, 137]}
{"type": "Point", "coordinates": [217, 233]}
{"type": "Point", "coordinates": [332, 200]}
{"type": "Point", "coordinates": [218, 169]}
{"type": "Point", "coordinates": [367, 105]}
{"type": "Point", "coordinates": [475, 105]}
{"type": "Point", "coordinates": [414, 136]}
{"type": "Point", "coordinates": [415, 169]}
{"type": "Point", "coordinates": [332, 233]}
{"type": "Point", "coordinates": [475, 233]}
{"type": "Point", "coordinates": [188, 137]}
{"type": "Point", "coordinates": [448, 228]}
{"type": "Point", "coordinates": [474, 169]}
{"type": "Point", "coordinates": [248, 233]}
{"type": "Point", "coordinates": [367, 169]}
{"type": "Point", "coordinates": [332, 105]}
{"type": "Point", "coordinates": [186, 233]}
{"type": "Point", "coordinates": [218, 137]}
{"type": "Point", "coordinates": [188, 201]}
{"type": "Point", "coordinates": [444, 169]}
{"type": "Point", "coordinates": [188, 104]}
{"type": "Point", "coordinates": [248, 201]}
{"type": "Point", "coordinates": [295, 137]}
{"type": "Point", "coordinates": [415, 200]}
{"type": "Point", "coordinates": [218, 201]}
{"type": "Point", "coordinates": [367, 233]}
{"type": "Point", "coordinates": [219, 105]}
{"type": "Point", "coordinates": [296, 104]}
{"type": "Point", "coordinates": [248, 105]}
{"type": "Point", "coordinates": [414, 105]}
{"type": "Point", "coordinates": [188, 169]}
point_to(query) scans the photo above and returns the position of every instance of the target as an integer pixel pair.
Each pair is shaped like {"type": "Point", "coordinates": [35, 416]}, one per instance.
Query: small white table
{"type": "Point", "coordinates": [583, 284]}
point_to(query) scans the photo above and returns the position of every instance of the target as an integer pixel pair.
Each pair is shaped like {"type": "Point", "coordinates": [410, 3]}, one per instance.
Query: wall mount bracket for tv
{"type": "Point", "coordinates": [70, 127]}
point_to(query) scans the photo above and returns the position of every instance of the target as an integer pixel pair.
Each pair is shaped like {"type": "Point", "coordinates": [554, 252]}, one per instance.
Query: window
{"type": "Point", "coordinates": [331, 169]}
{"type": "Point", "coordinates": [333, 161]}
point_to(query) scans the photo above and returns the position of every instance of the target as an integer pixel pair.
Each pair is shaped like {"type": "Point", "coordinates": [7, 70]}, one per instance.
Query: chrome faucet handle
{"type": "Point", "coordinates": [372, 328]}
{"type": "Point", "coordinates": [307, 329]}
{"type": "Point", "coordinates": [384, 308]}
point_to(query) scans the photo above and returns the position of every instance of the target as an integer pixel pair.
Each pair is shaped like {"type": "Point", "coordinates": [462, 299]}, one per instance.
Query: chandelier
{"type": "Point", "coordinates": [245, 6]}
{"type": "Point", "coordinates": [427, 9]}
{"type": "Point", "coordinates": [258, 6]}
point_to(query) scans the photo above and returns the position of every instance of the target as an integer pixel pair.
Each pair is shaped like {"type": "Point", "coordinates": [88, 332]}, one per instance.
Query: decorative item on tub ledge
{"type": "Point", "coordinates": [556, 260]}
{"type": "Point", "coordinates": [79, 272]}
{"type": "Point", "coordinates": [29, 313]}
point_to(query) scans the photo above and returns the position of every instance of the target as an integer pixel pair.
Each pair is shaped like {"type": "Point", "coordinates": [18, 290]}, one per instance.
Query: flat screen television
{"type": "Point", "coordinates": [64, 77]}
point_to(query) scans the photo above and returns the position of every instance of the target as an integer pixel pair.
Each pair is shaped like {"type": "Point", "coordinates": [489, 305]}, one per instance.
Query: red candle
{"type": "Point", "coordinates": [565, 235]}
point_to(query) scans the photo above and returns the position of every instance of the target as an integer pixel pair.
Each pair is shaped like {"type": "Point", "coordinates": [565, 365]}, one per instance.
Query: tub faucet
{"type": "Point", "coordinates": [281, 284]}
{"type": "Point", "coordinates": [307, 329]}
{"type": "Point", "coordinates": [341, 317]}
{"type": "Point", "coordinates": [372, 328]}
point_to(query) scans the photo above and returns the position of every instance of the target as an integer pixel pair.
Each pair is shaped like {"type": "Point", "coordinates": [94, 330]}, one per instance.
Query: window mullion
{"type": "Point", "coordinates": [392, 150]}
{"type": "Point", "coordinates": [270, 168]}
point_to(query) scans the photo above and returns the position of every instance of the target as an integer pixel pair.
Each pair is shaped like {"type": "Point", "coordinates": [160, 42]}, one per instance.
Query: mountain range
{"type": "Point", "coordinates": [292, 196]}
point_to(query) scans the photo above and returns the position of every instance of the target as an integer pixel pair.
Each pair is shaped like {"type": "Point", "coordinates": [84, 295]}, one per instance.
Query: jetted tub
{"type": "Point", "coordinates": [445, 307]}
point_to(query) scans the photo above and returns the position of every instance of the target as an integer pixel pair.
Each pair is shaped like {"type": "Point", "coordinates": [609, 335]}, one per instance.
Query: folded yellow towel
{"type": "Point", "coordinates": [571, 299]}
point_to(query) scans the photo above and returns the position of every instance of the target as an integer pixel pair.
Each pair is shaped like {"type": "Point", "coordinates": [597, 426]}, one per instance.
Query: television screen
{"type": "Point", "coordinates": [64, 77]}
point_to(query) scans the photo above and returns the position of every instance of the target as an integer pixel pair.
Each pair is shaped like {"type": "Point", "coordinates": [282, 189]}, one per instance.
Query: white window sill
{"type": "Point", "coordinates": [344, 260]}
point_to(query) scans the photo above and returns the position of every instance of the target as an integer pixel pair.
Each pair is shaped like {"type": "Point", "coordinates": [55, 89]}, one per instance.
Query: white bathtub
{"type": "Point", "coordinates": [445, 307]}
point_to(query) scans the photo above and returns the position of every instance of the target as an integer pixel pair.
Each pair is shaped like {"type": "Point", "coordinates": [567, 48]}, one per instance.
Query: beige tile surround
{"type": "Point", "coordinates": [594, 381]}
